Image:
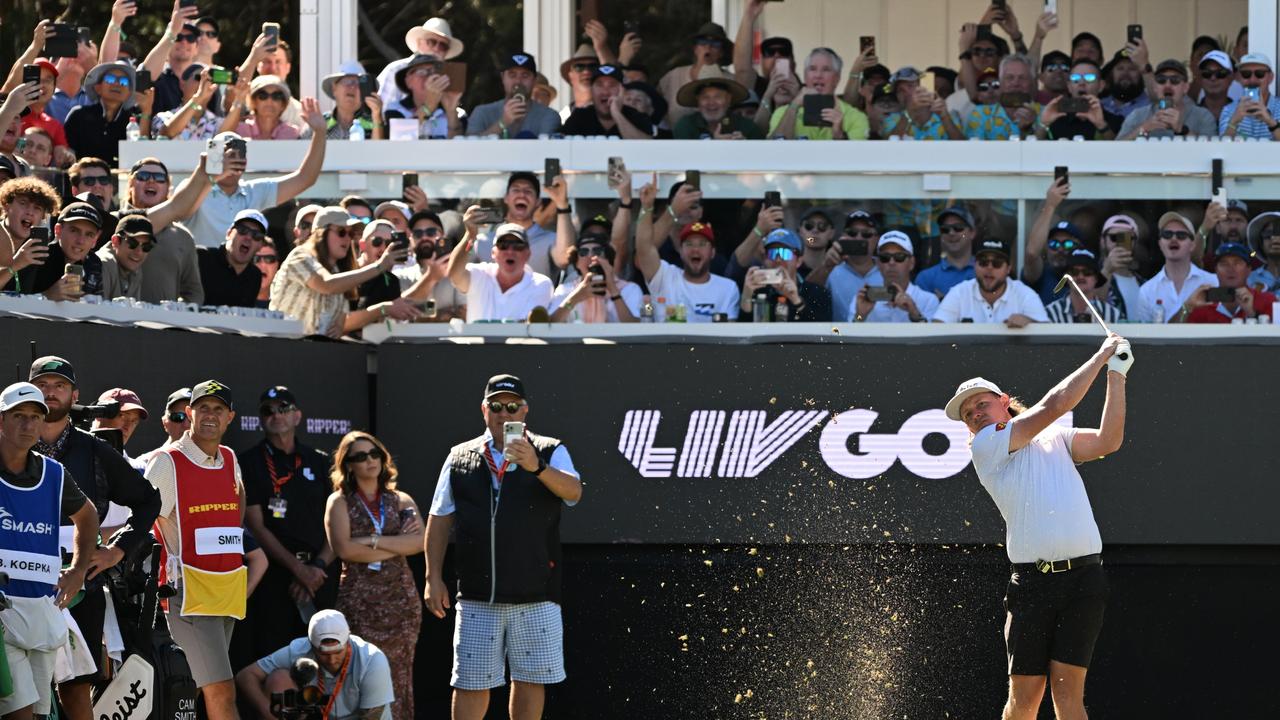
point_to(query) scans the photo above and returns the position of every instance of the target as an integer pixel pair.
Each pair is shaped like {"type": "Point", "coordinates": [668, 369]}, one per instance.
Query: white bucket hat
{"type": "Point", "coordinates": [435, 26]}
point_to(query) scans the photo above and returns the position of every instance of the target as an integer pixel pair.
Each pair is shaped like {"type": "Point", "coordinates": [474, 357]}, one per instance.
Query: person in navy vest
{"type": "Point", "coordinates": [36, 492]}
{"type": "Point", "coordinates": [508, 589]}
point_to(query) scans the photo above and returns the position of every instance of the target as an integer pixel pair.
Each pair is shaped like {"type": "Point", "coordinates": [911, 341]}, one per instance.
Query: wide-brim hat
{"type": "Point", "coordinates": [711, 76]}
{"type": "Point", "coordinates": [351, 67]}
{"type": "Point", "coordinates": [263, 82]}
{"type": "Point", "coordinates": [416, 61]}
{"type": "Point", "coordinates": [584, 52]}
{"type": "Point", "coordinates": [655, 98]}
{"type": "Point", "coordinates": [1255, 230]}
{"type": "Point", "coordinates": [94, 76]}
{"type": "Point", "coordinates": [435, 26]}
{"type": "Point", "coordinates": [714, 31]}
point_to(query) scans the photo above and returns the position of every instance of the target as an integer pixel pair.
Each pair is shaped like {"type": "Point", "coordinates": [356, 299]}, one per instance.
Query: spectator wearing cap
{"type": "Point", "coordinates": [201, 488]}
{"type": "Point", "coordinates": [428, 277]}
{"type": "Point", "coordinates": [1096, 123]}
{"type": "Point", "coordinates": [1232, 269]}
{"type": "Point", "coordinates": [1122, 256]}
{"type": "Point", "coordinates": [1229, 224]}
{"type": "Point", "coordinates": [1124, 77]}
{"type": "Point", "coordinates": [1055, 67]}
{"type": "Point", "coordinates": [433, 37]}
{"type": "Point", "coordinates": [173, 53]}
{"type": "Point", "coordinates": [713, 94]}
{"type": "Point", "coordinates": [193, 118]}
{"type": "Point", "coordinates": [1249, 117]}
{"type": "Point", "coordinates": [320, 275]}
{"type": "Point", "coordinates": [1173, 113]}
{"type": "Point", "coordinates": [924, 114]}
{"type": "Point", "coordinates": [39, 118]}
{"type": "Point", "coordinates": [992, 296]}
{"type": "Point", "coordinates": [173, 269]}
{"type": "Point", "coordinates": [375, 241]}
{"type": "Point", "coordinates": [693, 286]}
{"type": "Point", "coordinates": [711, 47]}
{"type": "Point", "coordinates": [231, 193]}
{"type": "Point", "coordinates": [122, 258]}
{"type": "Point", "coordinates": [510, 576]}
{"type": "Point", "coordinates": [131, 414]}
{"type": "Point", "coordinates": [805, 301]}
{"type": "Point", "coordinates": [599, 296]}
{"type": "Point", "coordinates": [277, 61]}
{"type": "Point", "coordinates": [855, 250]}
{"type": "Point", "coordinates": [266, 101]}
{"type": "Point", "coordinates": [517, 114]}
{"type": "Point", "coordinates": [1049, 244]}
{"type": "Point", "coordinates": [358, 208]}
{"type": "Point", "coordinates": [979, 50]}
{"type": "Point", "coordinates": [24, 203]}
{"type": "Point", "coordinates": [364, 690]}
{"type": "Point", "coordinates": [175, 422]}
{"type": "Point", "coordinates": [350, 107]}
{"type": "Point", "coordinates": [1264, 241]}
{"type": "Point", "coordinates": [944, 80]}
{"type": "Point", "coordinates": [1015, 85]}
{"type": "Point", "coordinates": [227, 272]}
{"type": "Point", "coordinates": [957, 234]}
{"type": "Point", "coordinates": [96, 129]}
{"type": "Point", "coordinates": [607, 115]}
{"type": "Point", "coordinates": [1218, 89]}
{"type": "Point", "coordinates": [1082, 266]}
{"type": "Point", "coordinates": [76, 234]}
{"type": "Point", "coordinates": [395, 212]}
{"type": "Point", "coordinates": [841, 122]}
{"type": "Point", "coordinates": [771, 49]}
{"type": "Point", "coordinates": [880, 104]}
{"type": "Point", "coordinates": [895, 256]}
{"type": "Point", "coordinates": [1087, 45]}
{"type": "Point", "coordinates": [506, 288]}
{"type": "Point", "coordinates": [818, 233]}
{"type": "Point", "coordinates": [71, 71]}
{"type": "Point", "coordinates": [286, 490]}
{"type": "Point", "coordinates": [1164, 296]}
{"type": "Point", "coordinates": [427, 99]}
{"type": "Point", "coordinates": [646, 100]}
{"type": "Point", "coordinates": [520, 203]}
{"type": "Point", "coordinates": [578, 71]}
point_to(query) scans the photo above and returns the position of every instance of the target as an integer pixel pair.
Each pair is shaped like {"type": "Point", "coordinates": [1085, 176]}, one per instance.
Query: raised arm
{"type": "Point", "coordinates": [160, 53]}
{"type": "Point", "coordinates": [622, 224]}
{"type": "Point", "coordinates": [33, 51]}
{"type": "Point", "coordinates": [751, 249]}
{"type": "Point", "coordinates": [182, 203]}
{"type": "Point", "coordinates": [558, 191]}
{"type": "Point", "coordinates": [1038, 237]}
{"type": "Point", "coordinates": [459, 275]}
{"type": "Point", "coordinates": [293, 184]}
{"type": "Point", "coordinates": [1090, 444]}
{"type": "Point", "coordinates": [743, 71]}
{"type": "Point", "coordinates": [1063, 398]}
{"type": "Point", "coordinates": [120, 11]}
{"type": "Point", "coordinates": [599, 35]}
{"type": "Point", "coordinates": [257, 51]}
{"type": "Point", "coordinates": [327, 283]}
{"type": "Point", "coordinates": [647, 258]}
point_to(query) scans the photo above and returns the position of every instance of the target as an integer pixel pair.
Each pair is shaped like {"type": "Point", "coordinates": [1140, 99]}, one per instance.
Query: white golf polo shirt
{"type": "Point", "coordinates": [1039, 492]}
{"type": "Point", "coordinates": [965, 301]}
{"type": "Point", "coordinates": [487, 301]}
{"type": "Point", "coordinates": [1161, 288]}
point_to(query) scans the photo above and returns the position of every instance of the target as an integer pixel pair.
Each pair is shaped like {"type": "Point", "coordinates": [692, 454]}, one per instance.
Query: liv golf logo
{"type": "Point", "coordinates": [743, 443]}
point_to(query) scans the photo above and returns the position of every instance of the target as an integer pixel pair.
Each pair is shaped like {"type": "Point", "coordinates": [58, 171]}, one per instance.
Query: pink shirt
{"type": "Point", "coordinates": [283, 131]}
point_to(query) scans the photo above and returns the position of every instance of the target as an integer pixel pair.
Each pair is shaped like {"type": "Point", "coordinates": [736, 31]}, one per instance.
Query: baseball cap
{"type": "Point", "coordinates": [992, 245]}
{"type": "Point", "coordinates": [212, 388]}
{"type": "Point", "coordinates": [1068, 228]}
{"type": "Point", "coordinates": [1180, 218]}
{"type": "Point", "coordinates": [519, 60]}
{"type": "Point", "coordinates": [959, 212]}
{"type": "Point", "coordinates": [904, 73]}
{"type": "Point", "coordinates": [785, 237]}
{"type": "Point", "coordinates": [372, 228]}
{"type": "Point", "coordinates": [1240, 205]}
{"type": "Point", "coordinates": [824, 212]}
{"type": "Point", "coordinates": [1219, 57]}
{"type": "Point", "coordinates": [1081, 257]}
{"type": "Point", "coordinates": [251, 214]}
{"type": "Point", "coordinates": [1255, 58]}
{"type": "Point", "coordinates": [306, 210]}
{"type": "Point", "coordinates": [599, 220]}
{"type": "Point", "coordinates": [331, 215]}
{"type": "Point", "coordinates": [499, 384]}
{"type": "Point", "coordinates": [967, 389]}
{"type": "Point", "coordinates": [135, 224]}
{"type": "Point", "coordinates": [52, 365]}
{"type": "Point", "coordinates": [1231, 248]}
{"type": "Point", "coordinates": [698, 228]}
{"type": "Point", "coordinates": [896, 237]}
{"type": "Point", "coordinates": [1173, 65]}
{"type": "Point", "coordinates": [394, 205]}
{"type": "Point", "coordinates": [20, 393]}
{"type": "Point", "coordinates": [80, 211]}
{"type": "Point", "coordinates": [511, 230]}
{"type": "Point", "coordinates": [328, 626]}
{"type": "Point", "coordinates": [1123, 222]}
{"type": "Point", "coordinates": [280, 393]}
{"type": "Point", "coordinates": [859, 215]}
{"type": "Point", "coordinates": [177, 396]}
{"type": "Point", "coordinates": [777, 43]}
{"type": "Point", "coordinates": [1054, 57]}
{"type": "Point", "coordinates": [127, 399]}
{"type": "Point", "coordinates": [607, 70]}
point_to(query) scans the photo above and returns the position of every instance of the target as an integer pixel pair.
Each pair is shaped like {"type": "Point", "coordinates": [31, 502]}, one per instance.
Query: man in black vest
{"type": "Point", "coordinates": [509, 589]}
{"type": "Point", "coordinates": [103, 475]}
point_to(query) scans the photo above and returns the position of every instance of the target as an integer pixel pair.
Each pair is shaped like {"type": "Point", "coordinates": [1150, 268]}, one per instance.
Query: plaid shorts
{"type": "Point", "coordinates": [528, 637]}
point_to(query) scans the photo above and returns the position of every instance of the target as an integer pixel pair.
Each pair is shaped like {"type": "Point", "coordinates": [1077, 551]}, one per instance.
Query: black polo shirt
{"type": "Point", "coordinates": [91, 134]}
{"type": "Point", "coordinates": [1069, 126]}
{"type": "Point", "coordinates": [168, 92]}
{"type": "Point", "coordinates": [38, 278]}
{"type": "Point", "coordinates": [303, 480]}
{"type": "Point", "coordinates": [222, 284]}
{"type": "Point", "coordinates": [382, 288]}
{"type": "Point", "coordinates": [585, 122]}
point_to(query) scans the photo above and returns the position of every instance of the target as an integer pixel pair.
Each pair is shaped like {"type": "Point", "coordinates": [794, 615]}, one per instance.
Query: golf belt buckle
{"type": "Point", "coordinates": [1053, 566]}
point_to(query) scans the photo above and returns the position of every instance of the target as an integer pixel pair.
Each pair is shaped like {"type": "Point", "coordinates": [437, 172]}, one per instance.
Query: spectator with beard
{"type": "Point", "coordinates": [520, 203]}
{"type": "Point", "coordinates": [958, 234]}
{"type": "Point", "coordinates": [1215, 74]}
{"type": "Point", "coordinates": [693, 286]}
{"type": "Point", "coordinates": [1082, 266]}
{"type": "Point", "coordinates": [428, 277]}
{"type": "Point", "coordinates": [895, 256]}
{"type": "Point", "coordinates": [516, 115]}
{"type": "Point", "coordinates": [991, 297]}
{"type": "Point", "coordinates": [821, 77]}
{"type": "Point", "coordinates": [924, 115]}
{"type": "Point", "coordinates": [1164, 296]}
{"type": "Point", "coordinates": [227, 273]}
{"type": "Point", "coordinates": [771, 50]}
{"type": "Point", "coordinates": [1055, 67]}
{"type": "Point", "coordinates": [1232, 270]}
{"type": "Point", "coordinates": [1173, 113]}
{"type": "Point", "coordinates": [1050, 245]}
{"type": "Point", "coordinates": [75, 236]}
{"type": "Point", "coordinates": [24, 203]}
{"type": "Point", "coordinates": [1247, 117]}
{"type": "Point", "coordinates": [597, 296]}
{"type": "Point", "coordinates": [1120, 284]}
{"type": "Point", "coordinates": [1092, 124]}
{"type": "Point", "coordinates": [433, 37]}
{"type": "Point", "coordinates": [805, 301]}
{"type": "Point", "coordinates": [505, 289]}
{"type": "Point", "coordinates": [1125, 78]}
{"type": "Point", "coordinates": [711, 47]}
{"type": "Point", "coordinates": [714, 93]}
{"type": "Point", "coordinates": [857, 267]}
{"type": "Point", "coordinates": [990, 119]}
{"type": "Point", "coordinates": [607, 115]}
{"type": "Point", "coordinates": [173, 268]}
{"type": "Point", "coordinates": [1221, 225]}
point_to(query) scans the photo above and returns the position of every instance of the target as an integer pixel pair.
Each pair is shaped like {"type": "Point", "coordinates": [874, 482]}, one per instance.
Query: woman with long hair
{"type": "Point", "coordinates": [372, 527]}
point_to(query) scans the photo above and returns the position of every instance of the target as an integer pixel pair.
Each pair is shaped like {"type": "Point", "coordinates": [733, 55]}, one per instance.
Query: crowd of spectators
{"type": "Point", "coordinates": [219, 239]}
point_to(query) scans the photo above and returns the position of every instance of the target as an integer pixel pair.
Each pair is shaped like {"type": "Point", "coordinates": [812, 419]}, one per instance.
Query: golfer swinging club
{"type": "Point", "coordinates": [1058, 590]}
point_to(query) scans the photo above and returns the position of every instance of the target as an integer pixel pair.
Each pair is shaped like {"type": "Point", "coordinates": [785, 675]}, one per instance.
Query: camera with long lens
{"type": "Point", "coordinates": [82, 415]}
{"type": "Point", "coordinates": [305, 704]}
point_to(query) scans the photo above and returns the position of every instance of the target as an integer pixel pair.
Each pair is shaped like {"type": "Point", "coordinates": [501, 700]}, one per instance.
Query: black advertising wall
{"type": "Point", "coordinates": [844, 443]}
{"type": "Point", "coordinates": [330, 379]}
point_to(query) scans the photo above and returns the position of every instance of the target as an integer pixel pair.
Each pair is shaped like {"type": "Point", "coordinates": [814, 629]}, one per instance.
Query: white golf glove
{"type": "Point", "coordinates": [1116, 363]}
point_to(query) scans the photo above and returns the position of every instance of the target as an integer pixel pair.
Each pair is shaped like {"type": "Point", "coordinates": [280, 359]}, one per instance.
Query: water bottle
{"type": "Point", "coordinates": [760, 308]}
{"type": "Point", "coordinates": [646, 310]}
{"type": "Point", "coordinates": [782, 311]}
{"type": "Point", "coordinates": [356, 133]}
{"type": "Point", "coordinates": [133, 131]}
{"type": "Point", "coordinates": [1160, 318]}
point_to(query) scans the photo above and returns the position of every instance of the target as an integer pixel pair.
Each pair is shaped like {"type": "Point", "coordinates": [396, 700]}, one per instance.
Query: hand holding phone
{"type": "Point", "coordinates": [272, 32]}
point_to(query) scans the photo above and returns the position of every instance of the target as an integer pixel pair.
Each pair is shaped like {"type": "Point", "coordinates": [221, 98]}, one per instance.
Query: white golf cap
{"type": "Point", "coordinates": [328, 626]}
{"type": "Point", "coordinates": [1219, 57]}
{"type": "Point", "coordinates": [20, 393]}
{"type": "Point", "coordinates": [967, 389]}
{"type": "Point", "coordinates": [1256, 58]}
{"type": "Point", "coordinates": [253, 215]}
{"type": "Point", "coordinates": [896, 237]}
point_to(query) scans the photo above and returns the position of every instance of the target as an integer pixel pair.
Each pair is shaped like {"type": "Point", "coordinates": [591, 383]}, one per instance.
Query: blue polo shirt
{"type": "Point", "coordinates": [209, 223]}
{"type": "Point", "coordinates": [61, 104]}
{"type": "Point", "coordinates": [942, 277]}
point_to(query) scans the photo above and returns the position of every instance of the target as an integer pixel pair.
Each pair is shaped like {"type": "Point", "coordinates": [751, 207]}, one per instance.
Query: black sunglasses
{"type": "Point", "coordinates": [149, 176]}
{"type": "Point", "coordinates": [511, 407]}
{"type": "Point", "coordinates": [775, 52]}
{"type": "Point", "coordinates": [276, 95]}
{"type": "Point", "coordinates": [585, 67]}
{"type": "Point", "coordinates": [865, 234]}
{"type": "Point", "coordinates": [268, 259]}
{"type": "Point", "coordinates": [188, 37]}
{"type": "Point", "coordinates": [811, 226]}
{"type": "Point", "coordinates": [591, 251]}
{"type": "Point", "coordinates": [252, 233]}
{"type": "Point", "coordinates": [1168, 79]}
{"type": "Point", "coordinates": [134, 243]}
{"type": "Point", "coordinates": [1175, 234]}
{"type": "Point", "coordinates": [91, 180]}
{"type": "Point", "coordinates": [995, 262]}
{"type": "Point", "coordinates": [1215, 74]}
{"type": "Point", "coordinates": [900, 257]}
{"type": "Point", "coordinates": [359, 457]}
{"type": "Point", "coordinates": [1251, 74]}
{"type": "Point", "coordinates": [378, 241]}
{"type": "Point", "coordinates": [177, 417]}
{"type": "Point", "coordinates": [510, 245]}
{"type": "Point", "coordinates": [210, 33]}
{"type": "Point", "coordinates": [427, 232]}
{"type": "Point", "coordinates": [951, 229]}
{"type": "Point", "coordinates": [269, 410]}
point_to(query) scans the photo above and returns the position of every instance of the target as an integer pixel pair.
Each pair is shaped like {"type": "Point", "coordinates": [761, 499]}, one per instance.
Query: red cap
{"type": "Point", "coordinates": [698, 228]}
{"type": "Point", "coordinates": [128, 400]}
{"type": "Point", "coordinates": [47, 65]}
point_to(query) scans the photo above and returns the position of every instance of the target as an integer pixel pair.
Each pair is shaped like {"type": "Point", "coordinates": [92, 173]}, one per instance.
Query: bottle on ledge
{"type": "Point", "coordinates": [356, 133]}
{"type": "Point", "coordinates": [133, 131]}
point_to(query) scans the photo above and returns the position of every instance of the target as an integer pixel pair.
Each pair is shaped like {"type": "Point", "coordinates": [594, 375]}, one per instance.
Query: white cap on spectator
{"type": "Point", "coordinates": [328, 626]}
{"type": "Point", "coordinates": [1256, 58]}
{"type": "Point", "coordinates": [254, 215]}
{"type": "Point", "coordinates": [967, 389]}
{"type": "Point", "coordinates": [350, 67]}
{"type": "Point", "coordinates": [20, 393]}
{"type": "Point", "coordinates": [896, 237]}
{"type": "Point", "coordinates": [1219, 57]}
{"type": "Point", "coordinates": [307, 210]}
{"type": "Point", "coordinates": [1178, 218]}
{"type": "Point", "coordinates": [398, 205]}
{"type": "Point", "coordinates": [372, 227]}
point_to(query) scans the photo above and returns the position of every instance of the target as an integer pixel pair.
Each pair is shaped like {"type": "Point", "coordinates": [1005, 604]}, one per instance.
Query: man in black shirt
{"type": "Point", "coordinates": [607, 115]}
{"type": "Point", "coordinates": [95, 130]}
{"type": "Point", "coordinates": [227, 272]}
{"type": "Point", "coordinates": [805, 301]}
{"type": "Point", "coordinates": [286, 486]}
{"type": "Point", "coordinates": [1092, 123]}
{"type": "Point", "coordinates": [76, 233]}
{"type": "Point", "coordinates": [385, 287]}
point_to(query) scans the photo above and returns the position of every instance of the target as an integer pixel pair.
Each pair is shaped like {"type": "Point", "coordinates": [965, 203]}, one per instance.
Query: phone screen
{"type": "Point", "coordinates": [1061, 173]}
{"type": "Point", "coordinates": [867, 42]}
{"type": "Point", "coordinates": [31, 74]}
{"type": "Point", "coordinates": [551, 171]}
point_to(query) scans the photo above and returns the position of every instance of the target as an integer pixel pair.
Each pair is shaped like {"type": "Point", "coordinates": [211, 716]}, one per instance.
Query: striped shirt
{"type": "Point", "coordinates": [1061, 311]}
{"type": "Point", "coordinates": [1249, 127]}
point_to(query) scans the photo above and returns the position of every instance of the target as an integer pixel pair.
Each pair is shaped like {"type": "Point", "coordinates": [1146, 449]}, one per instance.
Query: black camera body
{"type": "Point", "coordinates": [305, 704]}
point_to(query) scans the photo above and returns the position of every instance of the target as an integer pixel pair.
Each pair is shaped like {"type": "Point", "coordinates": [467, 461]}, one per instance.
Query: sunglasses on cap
{"type": "Point", "coordinates": [1069, 244]}
{"type": "Point", "coordinates": [269, 410]}
{"type": "Point", "coordinates": [359, 457]}
{"type": "Point", "coordinates": [985, 86]}
{"type": "Point", "coordinates": [1215, 74]}
{"type": "Point", "coordinates": [516, 245]}
{"type": "Point", "coordinates": [864, 234]}
{"type": "Point", "coordinates": [591, 251]}
{"type": "Point", "coordinates": [815, 226]}
{"type": "Point", "coordinates": [268, 259]}
{"type": "Point", "coordinates": [1169, 79]}
{"type": "Point", "coordinates": [1252, 74]}
{"type": "Point", "coordinates": [134, 243]}
{"type": "Point", "coordinates": [783, 254]}
{"type": "Point", "coordinates": [276, 95]}
{"type": "Point", "coordinates": [1084, 77]}
{"type": "Point", "coordinates": [91, 180]}
{"type": "Point", "coordinates": [512, 407]}
{"type": "Point", "coordinates": [995, 262]}
{"type": "Point", "coordinates": [1175, 235]}
{"type": "Point", "coordinates": [177, 417]}
{"type": "Point", "coordinates": [250, 232]}
{"type": "Point", "coordinates": [426, 232]}
{"type": "Point", "coordinates": [150, 176]}
{"type": "Point", "coordinates": [898, 257]}
{"type": "Point", "coordinates": [952, 229]}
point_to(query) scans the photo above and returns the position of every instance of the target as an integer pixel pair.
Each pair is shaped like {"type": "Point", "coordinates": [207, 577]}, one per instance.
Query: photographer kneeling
{"type": "Point", "coordinates": [353, 679]}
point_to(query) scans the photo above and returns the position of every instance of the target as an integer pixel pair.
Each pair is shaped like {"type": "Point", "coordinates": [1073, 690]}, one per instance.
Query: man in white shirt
{"type": "Point", "coordinates": [505, 289]}
{"type": "Point", "coordinates": [702, 293]}
{"type": "Point", "coordinates": [1057, 593]}
{"type": "Point", "coordinates": [991, 297]}
{"type": "Point", "coordinates": [520, 203]}
{"type": "Point", "coordinates": [1164, 295]}
{"type": "Point", "coordinates": [434, 37]}
{"type": "Point", "coordinates": [907, 303]}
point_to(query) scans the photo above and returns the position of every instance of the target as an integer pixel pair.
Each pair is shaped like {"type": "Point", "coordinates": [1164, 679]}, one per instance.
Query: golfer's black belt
{"type": "Point", "coordinates": [1057, 566]}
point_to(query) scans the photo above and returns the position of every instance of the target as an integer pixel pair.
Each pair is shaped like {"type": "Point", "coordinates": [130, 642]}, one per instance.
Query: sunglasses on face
{"type": "Point", "coordinates": [816, 226]}
{"type": "Point", "coordinates": [341, 232]}
{"type": "Point", "coordinates": [898, 257]}
{"type": "Point", "coordinates": [511, 407]}
{"type": "Point", "coordinates": [780, 254]}
{"type": "Point", "coordinates": [987, 86]}
{"type": "Point", "coordinates": [510, 245]}
{"type": "Point", "coordinates": [1175, 235]}
{"type": "Point", "coordinates": [262, 95]}
{"type": "Point", "coordinates": [1084, 77]}
{"type": "Point", "coordinates": [269, 410]}
{"type": "Point", "coordinates": [1251, 74]}
{"type": "Point", "coordinates": [252, 233]}
{"type": "Point", "coordinates": [1168, 79]}
{"type": "Point", "coordinates": [134, 244]}
{"type": "Point", "coordinates": [378, 241]}
{"type": "Point", "coordinates": [1215, 74]}
{"type": "Point", "coordinates": [1057, 67]}
{"type": "Point", "coordinates": [91, 180]}
{"type": "Point", "coordinates": [121, 80]}
{"type": "Point", "coordinates": [984, 52]}
{"type": "Point", "coordinates": [177, 417]}
{"type": "Point", "coordinates": [267, 259]}
{"type": "Point", "coordinates": [591, 251]}
{"type": "Point", "coordinates": [210, 33]}
{"type": "Point", "coordinates": [1076, 272]}
{"type": "Point", "coordinates": [864, 234]}
{"type": "Point", "coordinates": [585, 67]}
{"type": "Point", "coordinates": [951, 229]}
{"type": "Point", "coordinates": [188, 37]}
{"type": "Point", "coordinates": [305, 227]}
{"type": "Point", "coordinates": [150, 176]}
{"type": "Point", "coordinates": [774, 52]}
{"type": "Point", "coordinates": [1067, 245]}
{"type": "Point", "coordinates": [427, 232]}
{"type": "Point", "coordinates": [708, 42]}
{"type": "Point", "coordinates": [995, 262]}
{"type": "Point", "coordinates": [359, 457]}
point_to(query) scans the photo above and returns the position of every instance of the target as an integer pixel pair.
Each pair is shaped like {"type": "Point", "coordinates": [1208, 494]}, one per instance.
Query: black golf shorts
{"type": "Point", "coordinates": [1053, 616]}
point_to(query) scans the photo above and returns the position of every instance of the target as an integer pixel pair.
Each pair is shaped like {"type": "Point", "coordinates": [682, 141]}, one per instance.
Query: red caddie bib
{"type": "Point", "coordinates": [211, 540]}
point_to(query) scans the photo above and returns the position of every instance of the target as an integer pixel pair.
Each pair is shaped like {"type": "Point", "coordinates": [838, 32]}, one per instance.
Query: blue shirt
{"type": "Point", "coordinates": [61, 104]}
{"type": "Point", "coordinates": [844, 283]}
{"type": "Point", "coordinates": [368, 681]}
{"type": "Point", "coordinates": [1044, 286]}
{"type": "Point", "coordinates": [1262, 279]}
{"type": "Point", "coordinates": [442, 500]}
{"type": "Point", "coordinates": [942, 277]}
{"type": "Point", "coordinates": [1249, 127]}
